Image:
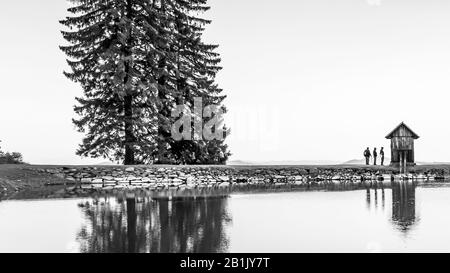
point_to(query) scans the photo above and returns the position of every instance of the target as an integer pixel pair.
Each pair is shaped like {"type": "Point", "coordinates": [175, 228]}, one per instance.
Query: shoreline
{"type": "Point", "coordinates": [52, 181]}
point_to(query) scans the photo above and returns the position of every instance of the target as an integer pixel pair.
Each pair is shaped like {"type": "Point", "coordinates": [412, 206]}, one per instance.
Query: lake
{"type": "Point", "coordinates": [397, 217]}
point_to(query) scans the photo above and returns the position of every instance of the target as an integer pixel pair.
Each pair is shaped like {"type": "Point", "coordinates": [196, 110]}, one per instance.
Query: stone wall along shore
{"type": "Point", "coordinates": [169, 177]}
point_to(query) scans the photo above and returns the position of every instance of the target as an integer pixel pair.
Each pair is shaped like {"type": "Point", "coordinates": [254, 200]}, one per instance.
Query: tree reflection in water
{"type": "Point", "coordinates": [128, 223]}
{"type": "Point", "coordinates": [145, 224]}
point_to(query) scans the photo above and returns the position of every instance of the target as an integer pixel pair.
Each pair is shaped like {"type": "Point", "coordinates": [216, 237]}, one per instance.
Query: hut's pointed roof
{"type": "Point", "coordinates": [399, 127]}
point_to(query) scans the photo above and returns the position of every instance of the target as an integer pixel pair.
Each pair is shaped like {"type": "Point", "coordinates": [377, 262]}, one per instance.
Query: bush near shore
{"type": "Point", "coordinates": [11, 158]}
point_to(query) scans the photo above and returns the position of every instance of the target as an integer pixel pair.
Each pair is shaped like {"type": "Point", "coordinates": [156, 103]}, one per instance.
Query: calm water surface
{"type": "Point", "coordinates": [398, 218]}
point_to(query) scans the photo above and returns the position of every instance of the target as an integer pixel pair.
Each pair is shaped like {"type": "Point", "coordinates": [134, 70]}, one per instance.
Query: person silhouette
{"type": "Point", "coordinates": [367, 155]}
{"type": "Point", "coordinates": [382, 156]}
{"type": "Point", "coordinates": [374, 156]}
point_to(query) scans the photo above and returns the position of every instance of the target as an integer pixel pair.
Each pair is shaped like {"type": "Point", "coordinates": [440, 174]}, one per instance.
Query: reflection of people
{"type": "Point", "coordinates": [367, 155]}
{"type": "Point", "coordinates": [375, 156]}
{"type": "Point", "coordinates": [368, 197]}
{"type": "Point", "coordinates": [382, 155]}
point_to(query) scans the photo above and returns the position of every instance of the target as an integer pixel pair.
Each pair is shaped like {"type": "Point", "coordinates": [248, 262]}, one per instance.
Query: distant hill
{"type": "Point", "coordinates": [106, 163]}
{"type": "Point", "coordinates": [387, 161]}
{"type": "Point", "coordinates": [362, 161]}
{"type": "Point", "coordinates": [355, 162]}
{"type": "Point", "coordinates": [433, 163]}
{"type": "Point", "coordinates": [297, 162]}
{"type": "Point", "coordinates": [282, 163]}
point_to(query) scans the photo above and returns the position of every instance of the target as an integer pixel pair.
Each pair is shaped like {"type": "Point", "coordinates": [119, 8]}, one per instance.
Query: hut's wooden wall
{"type": "Point", "coordinates": [399, 144]}
{"type": "Point", "coordinates": [402, 141]}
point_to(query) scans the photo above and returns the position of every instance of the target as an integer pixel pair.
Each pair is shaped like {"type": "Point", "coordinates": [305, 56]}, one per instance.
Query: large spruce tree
{"type": "Point", "coordinates": [110, 45]}
{"type": "Point", "coordinates": [194, 65]}
{"type": "Point", "coordinates": [136, 60]}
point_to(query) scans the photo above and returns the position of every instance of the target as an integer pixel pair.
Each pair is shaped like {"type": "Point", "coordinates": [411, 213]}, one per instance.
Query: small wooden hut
{"type": "Point", "coordinates": [402, 146]}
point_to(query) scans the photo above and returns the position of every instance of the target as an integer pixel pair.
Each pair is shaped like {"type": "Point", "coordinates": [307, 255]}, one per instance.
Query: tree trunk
{"type": "Point", "coordinates": [129, 136]}
{"type": "Point", "coordinates": [131, 225]}
{"type": "Point", "coordinates": [128, 100]}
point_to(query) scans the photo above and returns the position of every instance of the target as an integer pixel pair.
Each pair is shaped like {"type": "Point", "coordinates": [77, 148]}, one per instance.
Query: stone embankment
{"type": "Point", "coordinates": [187, 177]}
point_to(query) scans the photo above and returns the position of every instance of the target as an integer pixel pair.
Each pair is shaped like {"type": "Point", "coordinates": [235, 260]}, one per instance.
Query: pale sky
{"type": "Point", "coordinates": [305, 79]}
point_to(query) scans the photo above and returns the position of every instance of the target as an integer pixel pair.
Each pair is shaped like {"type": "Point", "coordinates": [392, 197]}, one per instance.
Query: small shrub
{"type": "Point", "coordinates": [10, 158]}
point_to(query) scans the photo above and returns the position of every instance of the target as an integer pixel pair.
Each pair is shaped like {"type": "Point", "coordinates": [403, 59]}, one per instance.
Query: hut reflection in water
{"type": "Point", "coordinates": [404, 205]}
{"type": "Point", "coordinates": [403, 202]}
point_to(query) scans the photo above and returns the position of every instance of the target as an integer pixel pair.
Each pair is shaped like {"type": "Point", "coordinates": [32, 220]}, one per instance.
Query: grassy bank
{"type": "Point", "coordinates": [24, 181]}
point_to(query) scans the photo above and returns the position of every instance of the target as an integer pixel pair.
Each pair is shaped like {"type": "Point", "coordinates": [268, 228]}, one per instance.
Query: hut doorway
{"type": "Point", "coordinates": [403, 159]}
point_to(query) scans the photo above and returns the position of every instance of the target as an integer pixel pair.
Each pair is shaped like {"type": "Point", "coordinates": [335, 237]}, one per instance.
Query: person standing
{"type": "Point", "coordinates": [367, 155]}
{"type": "Point", "coordinates": [382, 155]}
{"type": "Point", "coordinates": [374, 156]}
